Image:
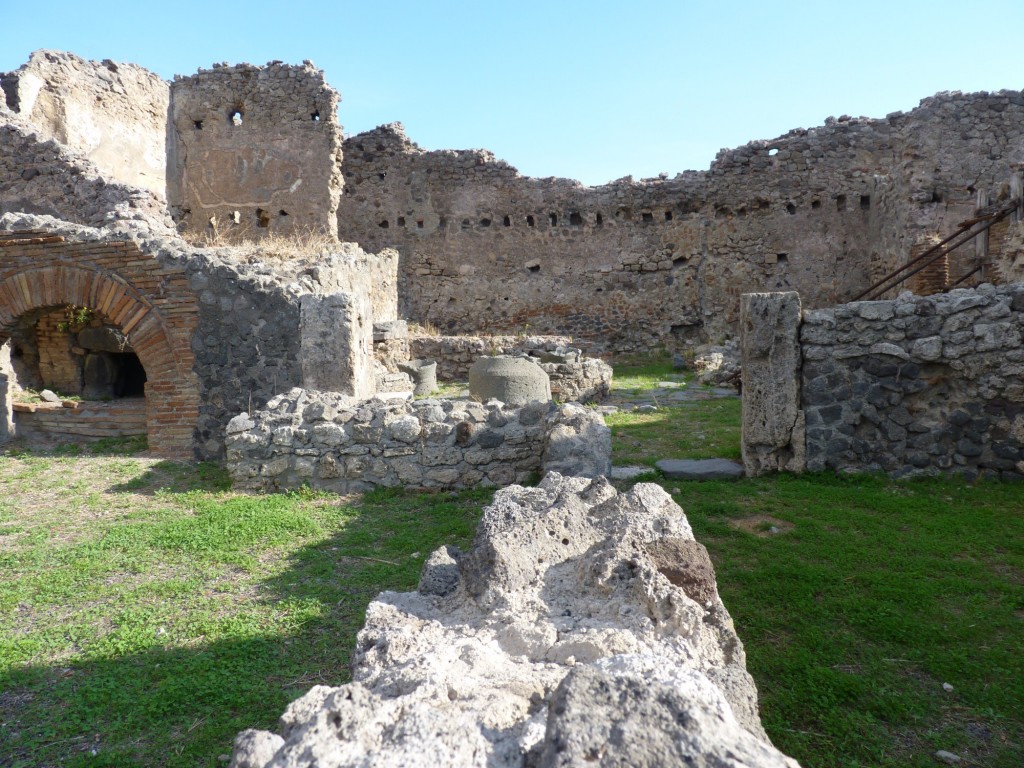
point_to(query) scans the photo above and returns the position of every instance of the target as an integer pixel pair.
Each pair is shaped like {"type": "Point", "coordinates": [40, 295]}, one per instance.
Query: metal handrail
{"type": "Point", "coordinates": [939, 251]}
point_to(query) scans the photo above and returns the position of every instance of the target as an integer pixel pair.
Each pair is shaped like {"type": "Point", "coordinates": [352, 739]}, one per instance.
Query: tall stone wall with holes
{"type": "Point", "coordinates": [114, 114]}
{"type": "Point", "coordinates": [254, 150]}
{"type": "Point", "coordinates": [635, 265]}
{"type": "Point", "coordinates": [911, 386]}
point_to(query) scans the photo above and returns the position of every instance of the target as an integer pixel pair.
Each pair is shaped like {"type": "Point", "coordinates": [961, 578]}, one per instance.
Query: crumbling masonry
{"type": "Point", "coordinates": [239, 344]}
{"type": "Point", "coordinates": [631, 266]}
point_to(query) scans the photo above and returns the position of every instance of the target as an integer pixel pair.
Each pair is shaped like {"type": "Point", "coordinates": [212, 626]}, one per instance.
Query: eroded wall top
{"type": "Point", "coordinates": [254, 150]}
{"type": "Point", "coordinates": [114, 114]}
{"type": "Point", "coordinates": [635, 265]}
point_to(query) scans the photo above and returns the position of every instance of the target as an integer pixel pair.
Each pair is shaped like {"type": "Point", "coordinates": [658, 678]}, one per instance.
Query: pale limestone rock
{"type": "Point", "coordinates": [569, 623]}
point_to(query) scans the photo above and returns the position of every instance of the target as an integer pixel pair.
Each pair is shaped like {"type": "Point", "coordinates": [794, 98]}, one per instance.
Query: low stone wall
{"type": "Point", "coordinates": [328, 441]}
{"type": "Point", "coordinates": [583, 627]}
{"type": "Point", "coordinates": [455, 354]}
{"type": "Point", "coordinates": [75, 421]}
{"type": "Point", "coordinates": [587, 381]}
{"type": "Point", "coordinates": [912, 386]}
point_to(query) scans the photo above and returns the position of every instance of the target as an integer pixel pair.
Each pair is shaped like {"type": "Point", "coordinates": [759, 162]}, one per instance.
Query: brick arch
{"type": "Point", "coordinates": [172, 399]}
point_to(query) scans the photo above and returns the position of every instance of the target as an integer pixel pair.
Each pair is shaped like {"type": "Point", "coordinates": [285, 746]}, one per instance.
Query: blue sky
{"type": "Point", "coordinates": [589, 90]}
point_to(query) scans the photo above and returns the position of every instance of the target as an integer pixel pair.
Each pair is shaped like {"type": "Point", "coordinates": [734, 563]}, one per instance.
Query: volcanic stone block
{"type": "Point", "coordinates": [336, 338]}
{"type": "Point", "coordinates": [700, 469]}
{"type": "Point", "coordinates": [773, 424]}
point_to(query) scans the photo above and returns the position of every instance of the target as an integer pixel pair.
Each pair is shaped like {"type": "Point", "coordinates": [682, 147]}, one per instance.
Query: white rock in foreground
{"type": "Point", "coordinates": [584, 627]}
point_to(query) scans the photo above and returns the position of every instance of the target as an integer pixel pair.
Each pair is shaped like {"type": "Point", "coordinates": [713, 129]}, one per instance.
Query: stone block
{"type": "Point", "coordinates": [700, 469]}
{"type": "Point", "coordinates": [772, 426]}
{"type": "Point", "coordinates": [336, 344]}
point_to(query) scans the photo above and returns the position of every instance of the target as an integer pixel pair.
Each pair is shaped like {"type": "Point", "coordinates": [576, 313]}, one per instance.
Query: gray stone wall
{"type": "Point", "coordinates": [253, 151]}
{"type": "Point", "coordinates": [251, 343]}
{"type": "Point", "coordinates": [917, 385]}
{"type": "Point", "coordinates": [345, 445]}
{"type": "Point", "coordinates": [41, 176]}
{"type": "Point", "coordinates": [455, 354]}
{"type": "Point", "coordinates": [635, 265]}
{"type": "Point", "coordinates": [115, 114]}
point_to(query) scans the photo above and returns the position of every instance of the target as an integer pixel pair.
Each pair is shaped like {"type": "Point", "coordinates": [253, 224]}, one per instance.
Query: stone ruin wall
{"type": "Point", "coordinates": [242, 326]}
{"type": "Point", "coordinates": [583, 627]}
{"type": "Point", "coordinates": [628, 266]}
{"type": "Point", "coordinates": [909, 386]}
{"type": "Point", "coordinates": [662, 262]}
{"type": "Point", "coordinates": [267, 326]}
{"type": "Point", "coordinates": [114, 114]}
{"type": "Point", "coordinates": [254, 151]}
{"type": "Point", "coordinates": [42, 176]}
{"type": "Point", "coordinates": [455, 354]}
{"type": "Point", "coordinates": [344, 445]}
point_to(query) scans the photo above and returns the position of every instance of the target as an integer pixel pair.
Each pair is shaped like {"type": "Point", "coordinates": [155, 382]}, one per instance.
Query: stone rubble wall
{"type": "Point", "coordinates": [585, 381]}
{"type": "Point", "coordinates": [584, 626]}
{"type": "Point", "coordinates": [455, 354]}
{"type": "Point", "coordinates": [249, 344]}
{"type": "Point", "coordinates": [42, 176]}
{"type": "Point", "coordinates": [918, 385]}
{"type": "Point", "coordinates": [635, 265]}
{"type": "Point", "coordinates": [391, 344]}
{"type": "Point", "coordinates": [112, 113]}
{"type": "Point", "coordinates": [254, 151]}
{"type": "Point", "coordinates": [344, 445]}
{"type": "Point", "coordinates": [588, 380]}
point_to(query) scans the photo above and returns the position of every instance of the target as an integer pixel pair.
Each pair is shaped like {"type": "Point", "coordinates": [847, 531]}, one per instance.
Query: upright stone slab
{"type": "Point", "coordinates": [773, 424]}
{"type": "Point", "coordinates": [337, 344]}
{"type": "Point", "coordinates": [6, 417]}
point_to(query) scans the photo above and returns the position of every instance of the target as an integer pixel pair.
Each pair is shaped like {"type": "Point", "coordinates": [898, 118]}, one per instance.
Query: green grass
{"type": "Point", "coordinates": [148, 621]}
{"type": "Point", "coordinates": [697, 430]}
{"type": "Point", "coordinates": [637, 378]}
{"type": "Point", "coordinates": [871, 597]}
{"type": "Point", "coordinates": [867, 598]}
{"type": "Point", "coordinates": [149, 614]}
{"type": "Point", "coordinates": [692, 430]}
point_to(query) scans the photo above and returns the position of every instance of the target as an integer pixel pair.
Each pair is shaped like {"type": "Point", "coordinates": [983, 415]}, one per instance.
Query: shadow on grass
{"type": "Point", "coordinates": [154, 705]}
{"type": "Point", "coordinates": [107, 446]}
{"type": "Point", "coordinates": [177, 477]}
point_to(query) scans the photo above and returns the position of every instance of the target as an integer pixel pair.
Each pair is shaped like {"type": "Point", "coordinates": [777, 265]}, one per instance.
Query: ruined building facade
{"type": "Point", "coordinates": [630, 265]}
{"type": "Point", "coordinates": [662, 262]}
{"type": "Point", "coordinates": [125, 164]}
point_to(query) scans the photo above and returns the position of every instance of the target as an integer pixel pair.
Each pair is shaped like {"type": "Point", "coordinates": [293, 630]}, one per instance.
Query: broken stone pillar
{"type": "Point", "coordinates": [583, 628]}
{"type": "Point", "coordinates": [336, 344]}
{"type": "Point", "coordinates": [6, 416]}
{"type": "Point", "coordinates": [773, 423]}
